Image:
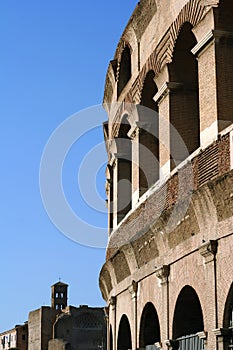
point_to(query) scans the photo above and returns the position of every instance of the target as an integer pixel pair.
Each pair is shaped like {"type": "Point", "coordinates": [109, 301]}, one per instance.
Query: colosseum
{"type": "Point", "coordinates": [167, 279]}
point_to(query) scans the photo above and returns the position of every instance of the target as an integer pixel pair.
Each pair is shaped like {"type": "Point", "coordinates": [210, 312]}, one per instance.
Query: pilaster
{"type": "Point", "coordinates": [162, 273]}
{"type": "Point", "coordinates": [133, 289]}
{"type": "Point", "coordinates": [208, 251]}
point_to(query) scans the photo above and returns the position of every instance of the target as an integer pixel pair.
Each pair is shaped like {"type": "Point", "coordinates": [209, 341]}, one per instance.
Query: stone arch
{"type": "Point", "coordinates": [120, 266]}
{"type": "Point", "coordinates": [228, 319]}
{"type": "Point", "coordinates": [228, 311]}
{"type": "Point", "coordinates": [149, 89]}
{"type": "Point", "coordinates": [103, 288]}
{"type": "Point", "coordinates": [193, 12]}
{"type": "Point", "coordinates": [124, 169]}
{"type": "Point", "coordinates": [188, 316]}
{"type": "Point", "coordinates": [184, 96]}
{"type": "Point", "coordinates": [149, 326]}
{"type": "Point", "coordinates": [124, 339]}
{"type": "Point", "coordinates": [148, 136]}
{"type": "Point", "coordinates": [125, 69]}
{"type": "Point", "coordinates": [110, 82]}
{"type": "Point", "coordinates": [128, 38]}
{"type": "Point", "coordinates": [129, 253]}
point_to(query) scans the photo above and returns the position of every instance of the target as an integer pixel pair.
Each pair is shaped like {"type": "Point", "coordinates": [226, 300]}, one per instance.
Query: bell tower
{"type": "Point", "coordinates": [59, 295]}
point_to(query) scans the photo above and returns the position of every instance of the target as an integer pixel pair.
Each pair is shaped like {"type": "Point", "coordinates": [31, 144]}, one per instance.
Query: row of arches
{"type": "Point", "coordinates": [184, 111]}
{"type": "Point", "coordinates": [184, 101]}
{"type": "Point", "coordinates": [184, 116]}
{"type": "Point", "coordinates": [187, 322]}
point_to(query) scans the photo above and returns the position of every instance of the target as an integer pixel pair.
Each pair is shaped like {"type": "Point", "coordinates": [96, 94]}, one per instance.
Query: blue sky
{"type": "Point", "coordinates": [54, 57]}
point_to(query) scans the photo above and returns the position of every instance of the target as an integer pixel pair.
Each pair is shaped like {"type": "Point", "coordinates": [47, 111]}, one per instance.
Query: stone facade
{"type": "Point", "coordinates": [167, 279]}
{"type": "Point", "coordinates": [79, 328]}
{"type": "Point", "coordinates": [62, 327]}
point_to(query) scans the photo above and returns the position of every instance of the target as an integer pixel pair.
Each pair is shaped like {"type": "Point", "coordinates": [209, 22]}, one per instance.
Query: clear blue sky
{"type": "Point", "coordinates": [54, 57]}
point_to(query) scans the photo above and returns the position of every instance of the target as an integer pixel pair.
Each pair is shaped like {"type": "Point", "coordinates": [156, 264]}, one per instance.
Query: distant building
{"type": "Point", "coordinates": [62, 327]}
{"type": "Point", "coordinates": [16, 338]}
{"type": "Point", "coordinates": [79, 328]}
{"type": "Point", "coordinates": [40, 321]}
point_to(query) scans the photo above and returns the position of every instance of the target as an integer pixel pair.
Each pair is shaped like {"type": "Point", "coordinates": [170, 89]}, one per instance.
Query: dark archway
{"type": "Point", "coordinates": [148, 137]}
{"type": "Point", "coordinates": [224, 61]}
{"type": "Point", "coordinates": [148, 92]}
{"type": "Point", "coordinates": [228, 320]}
{"type": "Point", "coordinates": [124, 172]}
{"type": "Point", "coordinates": [125, 70]}
{"type": "Point", "coordinates": [124, 340]}
{"type": "Point", "coordinates": [149, 326]}
{"type": "Point", "coordinates": [184, 97]}
{"type": "Point", "coordinates": [188, 317]}
{"type": "Point", "coordinates": [110, 338]}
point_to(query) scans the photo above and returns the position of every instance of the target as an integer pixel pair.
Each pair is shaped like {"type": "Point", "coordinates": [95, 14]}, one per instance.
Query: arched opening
{"type": "Point", "coordinates": [224, 62]}
{"type": "Point", "coordinates": [148, 92]}
{"type": "Point", "coordinates": [228, 320]}
{"type": "Point", "coordinates": [188, 318]}
{"type": "Point", "coordinates": [149, 326]}
{"type": "Point", "coordinates": [109, 191]}
{"type": "Point", "coordinates": [124, 170]}
{"type": "Point", "coordinates": [124, 341]}
{"type": "Point", "coordinates": [110, 339]}
{"type": "Point", "coordinates": [125, 70]}
{"type": "Point", "coordinates": [184, 99]}
{"type": "Point", "coordinates": [148, 137]}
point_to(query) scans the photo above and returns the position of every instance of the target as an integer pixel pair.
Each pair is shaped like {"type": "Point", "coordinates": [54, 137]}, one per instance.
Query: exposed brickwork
{"type": "Point", "coordinates": [176, 243]}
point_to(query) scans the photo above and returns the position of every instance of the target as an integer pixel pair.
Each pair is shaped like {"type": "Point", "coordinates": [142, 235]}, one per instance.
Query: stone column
{"type": "Point", "coordinates": [206, 55]}
{"type": "Point", "coordinates": [114, 166]}
{"type": "Point", "coordinates": [209, 250]}
{"type": "Point", "coordinates": [133, 289]}
{"type": "Point", "coordinates": [106, 316]}
{"type": "Point", "coordinates": [112, 304]}
{"type": "Point", "coordinates": [134, 135]}
{"type": "Point", "coordinates": [162, 273]}
{"type": "Point", "coordinates": [163, 99]}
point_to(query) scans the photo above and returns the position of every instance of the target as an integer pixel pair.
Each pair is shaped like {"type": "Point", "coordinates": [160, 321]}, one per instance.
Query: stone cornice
{"type": "Point", "coordinates": [162, 273]}
{"type": "Point", "coordinates": [208, 250]}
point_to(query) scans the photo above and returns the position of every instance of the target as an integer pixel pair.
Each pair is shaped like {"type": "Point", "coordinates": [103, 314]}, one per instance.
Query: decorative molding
{"type": "Point", "coordinates": [208, 250]}
{"type": "Point", "coordinates": [202, 335]}
{"type": "Point", "coordinates": [113, 161]}
{"type": "Point", "coordinates": [133, 132]}
{"type": "Point", "coordinates": [162, 273]}
{"type": "Point", "coordinates": [221, 332]}
{"type": "Point", "coordinates": [165, 89]}
{"type": "Point", "coordinates": [112, 301]}
{"type": "Point", "coordinates": [158, 345]}
{"type": "Point", "coordinates": [208, 38]}
{"type": "Point", "coordinates": [210, 3]}
{"type": "Point", "coordinates": [106, 313]}
{"type": "Point", "coordinates": [203, 43]}
{"type": "Point", "coordinates": [133, 289]}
